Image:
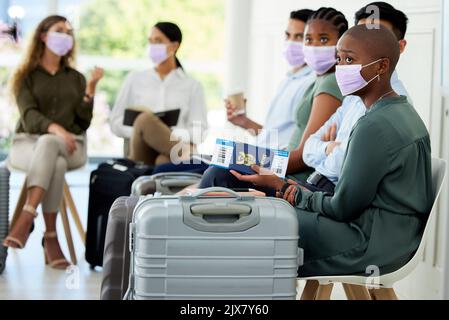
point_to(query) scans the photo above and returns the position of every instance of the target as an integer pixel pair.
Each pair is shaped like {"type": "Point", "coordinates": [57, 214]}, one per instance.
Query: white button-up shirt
{"type": "Point", "coordinates": [146, 90]}
{"type": "Point", "coordinates": [352, 109]}
{"type": "Point", "coordinates": [280, 120]}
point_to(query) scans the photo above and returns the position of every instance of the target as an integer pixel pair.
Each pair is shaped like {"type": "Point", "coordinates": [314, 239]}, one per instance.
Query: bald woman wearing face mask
{"type": "Point", "coordinates": [384, 196]}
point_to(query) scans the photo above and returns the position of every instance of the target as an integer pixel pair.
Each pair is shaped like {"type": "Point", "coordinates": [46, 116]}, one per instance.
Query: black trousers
{"type": "Point", "coordinates": [217, 177]}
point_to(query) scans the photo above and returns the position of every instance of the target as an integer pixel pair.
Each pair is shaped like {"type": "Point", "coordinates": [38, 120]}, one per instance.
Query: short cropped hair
{"type": "Point", "coordinates": [397, 18]}
{"type": "Point", "coordinates": [301, 15]}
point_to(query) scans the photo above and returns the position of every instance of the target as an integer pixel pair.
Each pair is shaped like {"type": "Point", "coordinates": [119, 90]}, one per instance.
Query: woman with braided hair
{"type": "Point", "coordinates": [320, 101]}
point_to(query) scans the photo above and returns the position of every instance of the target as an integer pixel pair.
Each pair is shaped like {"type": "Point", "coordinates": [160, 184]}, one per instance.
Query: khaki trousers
{"type": "Point", "coordinates": [151, 143]}
{"type": "Point", "coordinates": [45, 160]}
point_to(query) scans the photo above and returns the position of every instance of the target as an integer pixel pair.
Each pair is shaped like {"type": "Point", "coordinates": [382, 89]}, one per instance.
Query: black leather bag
{"type": "Point", "coordinates": [110, 181]}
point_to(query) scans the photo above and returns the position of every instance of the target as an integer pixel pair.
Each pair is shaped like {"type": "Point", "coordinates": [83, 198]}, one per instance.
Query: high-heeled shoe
{"type": "Point", "coordinates": [59, 264]}
{"type": "Point", "coordinates": [19, 243]}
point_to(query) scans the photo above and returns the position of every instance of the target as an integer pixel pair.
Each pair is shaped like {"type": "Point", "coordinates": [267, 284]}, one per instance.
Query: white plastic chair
{"type": "Point", "coordinates": [358, 287]}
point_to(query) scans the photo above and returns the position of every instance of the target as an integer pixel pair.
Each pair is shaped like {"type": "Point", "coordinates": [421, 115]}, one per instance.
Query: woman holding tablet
{"type": "Point", "coordinates": [166, 87]}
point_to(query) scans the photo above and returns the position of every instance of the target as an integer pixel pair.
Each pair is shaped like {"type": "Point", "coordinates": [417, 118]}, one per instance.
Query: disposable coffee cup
{"type": "Point", "coordinates": [238, 101]}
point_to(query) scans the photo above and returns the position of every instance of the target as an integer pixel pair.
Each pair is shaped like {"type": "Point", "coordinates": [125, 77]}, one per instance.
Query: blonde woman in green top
{"type": "Point", "coordinates": [55, 104]}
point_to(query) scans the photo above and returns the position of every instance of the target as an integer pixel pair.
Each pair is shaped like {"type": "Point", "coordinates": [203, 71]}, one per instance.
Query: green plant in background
{"type": "Point", "coordinates": [120, 28]}
{"type": "Point", "coordinates": [111, 83]}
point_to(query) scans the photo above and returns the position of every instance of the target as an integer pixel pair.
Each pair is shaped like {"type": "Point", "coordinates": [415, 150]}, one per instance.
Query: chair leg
{"type": "Point", "coordinates": [372, 294]}
{"type": "Point", "coordinates": [20, 204]}
{"type": "Point", "coordinates": [69, 201]}
{"type": "Point", "coordinates": [357, 292]}
{"type": "Point", "coordinates": [310, 290]}
{"type": "Point", "coordinates": [385, 294]}
{"type": "Point", "coordinates": [348, 291]}
{"type": "Point", "coordinates": [68, 232]}
{"type": "Point", "coordinates": [324, 292]}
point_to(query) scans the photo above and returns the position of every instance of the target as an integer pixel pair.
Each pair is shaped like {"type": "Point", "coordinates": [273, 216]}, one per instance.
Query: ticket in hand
{"type": "Point", "coordinates": [240, 157]}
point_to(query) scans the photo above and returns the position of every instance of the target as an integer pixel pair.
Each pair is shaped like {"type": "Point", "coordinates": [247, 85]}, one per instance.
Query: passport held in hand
{"type": "Point", "coordinates": [240, 157]}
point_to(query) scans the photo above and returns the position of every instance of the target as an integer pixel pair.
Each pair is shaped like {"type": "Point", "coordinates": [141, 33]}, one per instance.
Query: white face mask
{"type": "Point", "coordinates": [158, 53]}
{"type": "Point", "coordinates": [321, 59]}
{"type": "Point", "coordinates": [59, 43]}
{"type": "Point", "coordinates": [350, 79]}
{"type": "Point", "coordinates": [294, 53]}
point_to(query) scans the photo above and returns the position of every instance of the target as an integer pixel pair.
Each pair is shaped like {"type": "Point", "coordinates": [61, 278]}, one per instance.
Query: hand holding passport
{"type": "Point", "coordinates": [240, 157]}
{"type": "Point", "coordinates": [170, 118]}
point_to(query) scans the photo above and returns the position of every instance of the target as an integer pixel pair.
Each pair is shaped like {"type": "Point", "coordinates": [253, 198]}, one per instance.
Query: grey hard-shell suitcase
{"type": "Point", "coordinates": [116, 249]}
{"type": "Point", "coordinates": [164, 183]}
{"type": "Point", "coordinates": [213, 248]}
{"type": "Point", "coordinates": [4, 213]}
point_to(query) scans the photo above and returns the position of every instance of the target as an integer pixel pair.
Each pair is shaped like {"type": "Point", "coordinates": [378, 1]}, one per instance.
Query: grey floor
{"type": "Point", "coordinates": [27, 278]}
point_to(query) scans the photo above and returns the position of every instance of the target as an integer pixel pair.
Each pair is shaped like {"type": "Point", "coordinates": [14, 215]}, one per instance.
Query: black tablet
{"type": "Point", "coordinates": [170, 118]}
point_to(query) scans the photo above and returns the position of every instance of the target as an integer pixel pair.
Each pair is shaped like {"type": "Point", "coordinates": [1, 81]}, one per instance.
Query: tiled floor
{"type": "Point", "coordinates": [26, 276]}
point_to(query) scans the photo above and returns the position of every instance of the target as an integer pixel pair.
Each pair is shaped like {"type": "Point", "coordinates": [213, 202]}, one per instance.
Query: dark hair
{"type": "Point", "coordinates": [334, 16]}
{"type": "Point", "coordinates": [172, 32]}
{"type": "Point", "coordinates": [387, 12]}
{"type": "Point", "coordinates": [301, 15]}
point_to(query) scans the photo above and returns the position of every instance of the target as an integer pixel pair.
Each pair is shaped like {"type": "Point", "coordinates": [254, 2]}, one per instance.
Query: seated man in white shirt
{"type": "Point", "coordinates": [325, 150]}
{"type": "Point", "coordinates": [279, 121]}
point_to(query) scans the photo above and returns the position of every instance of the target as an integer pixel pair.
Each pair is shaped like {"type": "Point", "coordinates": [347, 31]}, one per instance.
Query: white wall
{"type": "Point", "coordinates": [420, 69]}
{"type": "Point", "coordinates": [444, 225]}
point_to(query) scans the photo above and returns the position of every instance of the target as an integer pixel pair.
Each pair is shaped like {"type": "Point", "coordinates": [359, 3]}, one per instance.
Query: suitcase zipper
{"type": "Point", "coordinates": [132, 228]}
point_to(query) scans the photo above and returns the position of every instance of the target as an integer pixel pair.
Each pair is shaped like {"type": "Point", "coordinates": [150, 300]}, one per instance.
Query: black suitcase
{"type": "Point", "coordinates": [110, 181]}
{"type": "Point", "coordinates": [4, 212]}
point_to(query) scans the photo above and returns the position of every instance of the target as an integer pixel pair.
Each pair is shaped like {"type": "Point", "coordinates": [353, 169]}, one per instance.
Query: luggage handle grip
{"type": "Point", "coordinates": [221, 217]}
{"type": "Point", "coordinates": [215, 210]}
{"type": "Point", "coordinates": [174, 183]}
{"type": "Point", "coordinates": [175, 175]}
{"type": "Point", "coordinates": [216, 190]}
